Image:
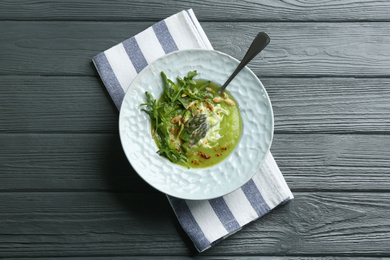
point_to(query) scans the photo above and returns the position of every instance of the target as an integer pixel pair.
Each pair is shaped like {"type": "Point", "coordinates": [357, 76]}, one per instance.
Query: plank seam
{"type": "Point", "coordinates": [334, 20]}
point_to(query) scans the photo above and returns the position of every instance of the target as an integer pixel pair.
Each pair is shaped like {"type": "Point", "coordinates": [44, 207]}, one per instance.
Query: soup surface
{"type": "Point", "coordinates": [192, 124]}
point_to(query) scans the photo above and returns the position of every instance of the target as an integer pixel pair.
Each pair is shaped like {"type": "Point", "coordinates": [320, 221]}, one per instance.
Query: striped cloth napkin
{"type": "Point", "coordinates": [206, 221]}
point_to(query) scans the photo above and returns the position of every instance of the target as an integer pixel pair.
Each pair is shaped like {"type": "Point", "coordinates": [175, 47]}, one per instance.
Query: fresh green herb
{"type": "Point", "coordinates": [161, 130]}
{"type": "Point", "coordinates": [182, 117]}
{"type": "Point", "coordinates": [174, 91]}
{"type": "Point", "coordinates": [174, 104]}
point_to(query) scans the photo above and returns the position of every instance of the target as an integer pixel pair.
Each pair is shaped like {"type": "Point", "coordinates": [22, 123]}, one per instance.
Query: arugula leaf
{"type": "Point", "coordinates": [174, 104]}
{"type": "Point", "coordinates": [174, 91]}
{"type": "Point", "coordinates": [181, 101]}
{"type": "Point", "coordinates": [153, 108]}
{"type": "Point", "coordinates": [186, 117]}
{"type": "Point", "coordinates": [167, 86]}
{"type": "Point", "coordinates": [161, 129]}
{"type": "Point", "coordinates": [190, 75]}
{"type": "Point", "coordinates": [178, 93]}
{"type": "Point", "coordinates": [173, 155]}
{"type": "Point", "coordinates": [205, 85]}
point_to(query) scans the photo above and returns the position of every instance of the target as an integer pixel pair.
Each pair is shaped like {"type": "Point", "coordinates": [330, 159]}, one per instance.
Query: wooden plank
{"type": "Point", "coordinates": [91, 224]}
{"type": "Point", "coordinates": [66, 162]}
{"type": "Point", "coordinates": [279, 10]}
{"type": "Point", "coordinates": [56, 105]}
{"type": "Point", "coordinates": [82, 105]}
{"type": "Point", "coordinates": [200, 256]}
{"type": "Point", "coordinates": [296, 49]}
{"type": "Point", "coordinates": [330, 105]}
{"type": "Point", "coordinates": [208, 257]}
{"type": "Point", "coordinates": [333, 162]}
{"type": "Point", "coordinates": [79, 162]}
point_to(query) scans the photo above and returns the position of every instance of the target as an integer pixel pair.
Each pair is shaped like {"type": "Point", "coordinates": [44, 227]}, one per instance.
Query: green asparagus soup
{"type": "Point", "coordinates": [192, 124]}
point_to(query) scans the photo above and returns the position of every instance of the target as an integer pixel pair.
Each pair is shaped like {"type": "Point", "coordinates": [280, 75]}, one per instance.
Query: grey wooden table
{"type": "Point", "coordinates": [67, 190]}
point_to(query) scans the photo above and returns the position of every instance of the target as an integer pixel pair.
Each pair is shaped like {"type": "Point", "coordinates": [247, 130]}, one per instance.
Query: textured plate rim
{"type": "Point", "coordinates": [250, 176]}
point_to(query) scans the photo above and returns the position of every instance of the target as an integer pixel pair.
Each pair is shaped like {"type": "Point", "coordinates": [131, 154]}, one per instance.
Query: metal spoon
{"type": "Point", "coordinates": [259, 43]}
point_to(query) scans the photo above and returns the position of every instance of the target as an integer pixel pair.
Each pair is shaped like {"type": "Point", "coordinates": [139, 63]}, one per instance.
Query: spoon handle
{"type": "Point", "coordinates": [259, 43]}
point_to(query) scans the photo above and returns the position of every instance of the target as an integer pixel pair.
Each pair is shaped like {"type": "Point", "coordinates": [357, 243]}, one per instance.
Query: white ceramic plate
{"type": "Point", "coordinates": [197, 184]}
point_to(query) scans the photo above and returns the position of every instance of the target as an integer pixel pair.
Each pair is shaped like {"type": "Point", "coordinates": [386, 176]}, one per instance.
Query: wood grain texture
{"type": "Point", "coordinates": [79, 162]}
{"type": "Point", "coordinates": [67, 190]}
{"type": "Point", "coordinates": [229, 10]}
{"type": "Point", "coordinates": [296, 49]}
{"type": "Point", "coordinates": [301, 105]}
{"type": "Point", "coordinates": [208, 257]}
{"type": "Point", "coordinates": [330, 105]}
{"type": "Point", "coordinates": [56, 105]}
{"type": "Point", "coordinates": [122, 224]}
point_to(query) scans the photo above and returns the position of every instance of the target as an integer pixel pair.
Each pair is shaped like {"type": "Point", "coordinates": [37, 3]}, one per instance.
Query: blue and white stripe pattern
{"type": "Point", "coordinates": [208, 221]}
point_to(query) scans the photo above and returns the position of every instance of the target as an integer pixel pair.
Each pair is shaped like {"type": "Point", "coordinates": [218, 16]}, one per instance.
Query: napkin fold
{"type": "Point", "coordinates": [206, 222]}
